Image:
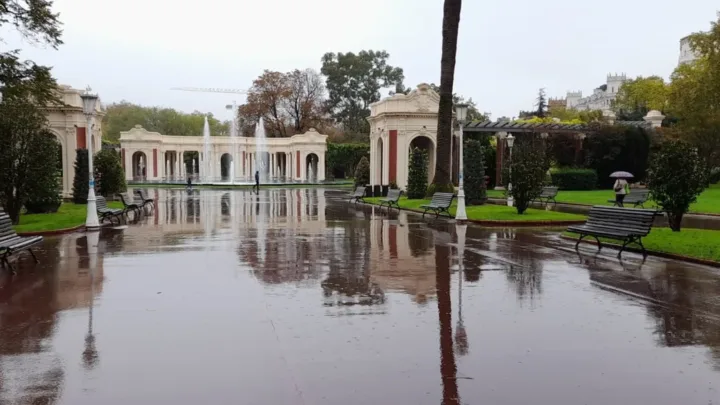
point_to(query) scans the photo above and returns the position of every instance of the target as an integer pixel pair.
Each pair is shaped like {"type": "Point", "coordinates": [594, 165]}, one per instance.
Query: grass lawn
{"type": "Point", "coordinates": [697, 243]}
{"type": "Point", "coordinates": [707, 202]}
{"type": "Point", "coordinates": [490, 212]}
{"type": "Point", "coordinates": [69, 215]}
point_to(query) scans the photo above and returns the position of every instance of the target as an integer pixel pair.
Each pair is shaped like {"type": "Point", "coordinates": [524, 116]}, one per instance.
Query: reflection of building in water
{"type": "Point", "coordinates": [29, 371]}
{"type": "Point", "coordinates": [402, 258]}
{"type": "Point", "coordinates": [283, 234]}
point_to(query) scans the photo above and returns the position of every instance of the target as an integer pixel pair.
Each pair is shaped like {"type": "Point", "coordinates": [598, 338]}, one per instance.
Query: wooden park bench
{"type": "Point", "coordinates": [440, 203]}
{"type": "Point", "coordinates": [145, 199]}
{"type": "Point", "coordinates": [547, 196]}
{"type": "Point", "coordinates": [629, 225]}
{"type": "Point", "coordinates": [637, 197]}
{"type": "Point", "coordinates": [11, 243]}
{"type": "Point", "coordinates": [392, 198]}
{"type": "Point", "coordinates": [130, 204]}
{"type": "Point", "coordinates": [358, 195]}
{"type": "Point", "coordinates": [108, 213]}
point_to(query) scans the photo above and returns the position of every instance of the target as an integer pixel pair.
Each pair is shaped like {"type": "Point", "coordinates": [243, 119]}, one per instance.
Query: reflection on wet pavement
{"type": "Point", "coordinates": [296, 297]}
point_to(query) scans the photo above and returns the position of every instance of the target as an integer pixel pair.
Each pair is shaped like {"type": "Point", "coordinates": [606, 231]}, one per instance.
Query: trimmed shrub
{"type": "Point", "coordinates": [109, 174]}
{"type": "Point", "coordinates": [676, 177]}
{"type": "Point", "coordinates": [362, 172]}
{"type": "Point", "coordinates": [574, 179]}
{"type": "Point", "coordinates": [82, 177]}
{"type": "Point", "coordinates": [529, 168]}
{"type": "Point", "coordinates": [341, 159]}
{"type": "Point", "coordinates": [474, 172]}
{"type": "Point", "coordinates": [44, 187]}
{"type": "Point", "coordinates": [417, 174]}
{"type": "Point", "coordinates": [615, 148]}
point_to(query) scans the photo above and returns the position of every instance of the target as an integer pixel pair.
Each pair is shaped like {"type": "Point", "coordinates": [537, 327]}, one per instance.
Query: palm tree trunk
{"type": "Point", "coordinates": [451, 24]}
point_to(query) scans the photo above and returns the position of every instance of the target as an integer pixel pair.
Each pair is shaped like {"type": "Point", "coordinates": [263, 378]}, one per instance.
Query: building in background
{"type": "Point", "coordinates": [602, 97]}
{"type": "Point", "coordinates": [686, 53]}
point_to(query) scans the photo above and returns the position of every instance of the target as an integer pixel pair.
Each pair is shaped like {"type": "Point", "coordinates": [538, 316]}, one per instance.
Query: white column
{"type": "Point", "coordinates": [373, 161]}
{"type": "Point", "coordinates": [321, 167]}
{"type": "Point", "coordinates": [303, 166]}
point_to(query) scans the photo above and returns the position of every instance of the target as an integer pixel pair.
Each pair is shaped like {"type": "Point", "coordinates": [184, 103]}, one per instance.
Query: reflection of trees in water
{"type": "Point", "coordinates": [527, 281]}
{"type": "Point", "coordinates": [683, 301]}
{"type": "Point", "coordinates": [26, 322]}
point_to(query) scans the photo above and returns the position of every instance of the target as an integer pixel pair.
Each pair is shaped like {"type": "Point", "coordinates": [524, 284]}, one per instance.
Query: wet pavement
{"type": "Point", "coordinates": [297, 297]}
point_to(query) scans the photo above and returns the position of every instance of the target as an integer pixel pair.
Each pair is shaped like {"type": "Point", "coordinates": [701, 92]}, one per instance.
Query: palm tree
{"type": "Point", "coordinates": [450, 27]}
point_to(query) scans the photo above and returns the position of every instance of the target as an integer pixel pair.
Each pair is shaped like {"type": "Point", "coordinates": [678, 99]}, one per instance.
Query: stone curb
{"type": "Point", "coordinates": [53, 232]}
{"type": "Point", "coordinates": [492, 223]}
{"type": "Point", "coordinates": [650, 252]}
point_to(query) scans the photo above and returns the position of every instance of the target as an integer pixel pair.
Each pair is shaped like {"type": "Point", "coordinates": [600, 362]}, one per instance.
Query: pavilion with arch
{"type": "Point", "coordinates": [68, 123]}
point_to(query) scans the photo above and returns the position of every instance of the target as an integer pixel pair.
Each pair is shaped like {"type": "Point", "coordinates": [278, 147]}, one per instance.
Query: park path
{"type": "Point", "coordinates": [297, 297]}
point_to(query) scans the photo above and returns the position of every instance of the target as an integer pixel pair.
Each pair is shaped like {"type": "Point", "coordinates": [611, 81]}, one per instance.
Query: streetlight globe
{"type": "Point", "coordinates": [461, 111]}
{"type": "Point", "coordinates": [510, 140]}
{"type": "Point", "coordinates": [89, 102]}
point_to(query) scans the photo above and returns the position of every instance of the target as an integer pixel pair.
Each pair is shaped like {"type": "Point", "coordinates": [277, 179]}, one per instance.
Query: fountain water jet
{"type": "Point", "coordinates": [261, 151]}
{"type": "Point", "coordinates": [207, 162]}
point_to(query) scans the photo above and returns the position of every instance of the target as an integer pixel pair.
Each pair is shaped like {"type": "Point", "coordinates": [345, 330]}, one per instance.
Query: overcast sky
{"type": "Point", "coordinates": [136, 50]}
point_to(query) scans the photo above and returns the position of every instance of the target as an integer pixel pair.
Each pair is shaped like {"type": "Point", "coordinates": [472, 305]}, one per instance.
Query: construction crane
{"type": "Point", "coordinates": [210, 90]}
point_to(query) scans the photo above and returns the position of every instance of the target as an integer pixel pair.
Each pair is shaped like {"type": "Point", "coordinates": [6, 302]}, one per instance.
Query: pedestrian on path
{"type": "Point", "coordinates": [621, 189]}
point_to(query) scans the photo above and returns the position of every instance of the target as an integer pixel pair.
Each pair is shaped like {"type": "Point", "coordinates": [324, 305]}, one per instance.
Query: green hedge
{"type": "Point", "coordinates": [574, 179]}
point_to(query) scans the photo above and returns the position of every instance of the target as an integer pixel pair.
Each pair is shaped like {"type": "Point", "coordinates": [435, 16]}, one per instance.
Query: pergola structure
{"type": "Point", "coordinates": [501, 130]}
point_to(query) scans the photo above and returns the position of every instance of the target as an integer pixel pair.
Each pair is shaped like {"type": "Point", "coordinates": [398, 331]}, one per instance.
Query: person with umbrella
{"type": "Point", "coordinates": [621, 186]}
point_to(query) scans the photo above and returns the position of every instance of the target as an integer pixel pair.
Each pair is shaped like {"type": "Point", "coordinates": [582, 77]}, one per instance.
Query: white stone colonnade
{"type": "Point", "coordinates": [150, 156]}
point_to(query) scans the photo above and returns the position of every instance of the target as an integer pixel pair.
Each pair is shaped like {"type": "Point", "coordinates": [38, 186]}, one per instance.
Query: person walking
{"type": "Point", "coordinates": [257, 181]}
{"type": "Point", "coordinates": [621, 188]}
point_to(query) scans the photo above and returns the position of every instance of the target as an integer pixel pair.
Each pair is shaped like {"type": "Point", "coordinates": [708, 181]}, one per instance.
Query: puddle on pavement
{"type": "Point", "coordinates": [295, 296]}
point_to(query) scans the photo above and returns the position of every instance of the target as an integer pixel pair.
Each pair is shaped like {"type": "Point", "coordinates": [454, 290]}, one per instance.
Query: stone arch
{"type": "Point", "coordinates": [139, 166]}
{"type": "Point", "coordinates": [311, 164]}
{"type": "Point", "coordinates": [428, 144]}
{"type": "Point", "coordinates": [380, 153]}
{"type": "Point", "coordinates": [225, 166]}
{"type": "Point", "coordinates": [63, 159]}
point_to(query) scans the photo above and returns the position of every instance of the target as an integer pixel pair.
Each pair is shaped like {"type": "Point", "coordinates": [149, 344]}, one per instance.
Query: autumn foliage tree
{"type": "Point", "coordinates": [288, 103]}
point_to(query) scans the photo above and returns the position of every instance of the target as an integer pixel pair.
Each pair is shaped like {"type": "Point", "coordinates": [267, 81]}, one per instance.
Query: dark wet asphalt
{"type": "Point", "coordinates": [296, 297]}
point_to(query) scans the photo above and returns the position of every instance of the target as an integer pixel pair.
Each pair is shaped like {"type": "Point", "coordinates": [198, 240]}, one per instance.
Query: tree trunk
{"type": "Point", "coordinates": [448, 367]}
{"type": "Point", "coordinates": [13, 209]}
{"type": "Point", "coordinates": [674, 220]}
{"type": "Point", "coordinates": [451, 24]}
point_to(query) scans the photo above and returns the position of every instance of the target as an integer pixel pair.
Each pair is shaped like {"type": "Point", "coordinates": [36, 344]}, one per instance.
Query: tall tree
{"type": "Point", "coordinates": [638, 96]}
{"type": "Point", "coordinates": [305, 104]}
{"type": "Point", "coordinates": [266, 99]}
{"type": "Point", "coordinates": [541, 104]}
{"type": "Point", "coordinates": [354, 82]}
{"type": "Point", "coordinates": [450, 28]}
{"type": "Point", "coordinates": [124, 115]}
{"type": "Point", "coordinates": [36, 21]}
{"type": "Point", "coordinates": [694, 95]}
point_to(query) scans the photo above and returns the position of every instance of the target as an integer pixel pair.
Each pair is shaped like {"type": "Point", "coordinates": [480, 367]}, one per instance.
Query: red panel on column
{"type": "Point", "coordinates": [154, 162]}
{"type": "Point", "coordinates": [297, 164]}
{"type": "Point", "coordinates": [80, 138]}
{"type": "Point", "coordinates": [122, 157]}
{"type": "Point", "coordinates": [392, 234]}
{"type": "Point", "coordinates": [393, 155]}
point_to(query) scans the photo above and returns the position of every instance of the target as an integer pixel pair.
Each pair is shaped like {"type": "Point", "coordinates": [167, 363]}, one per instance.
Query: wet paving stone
{"type": "Point", "coordinates": [294, 296]}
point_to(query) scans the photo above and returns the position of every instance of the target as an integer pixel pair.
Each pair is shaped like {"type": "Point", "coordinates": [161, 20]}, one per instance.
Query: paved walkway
{"type": "Point", "coordinates": [297, 297]}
